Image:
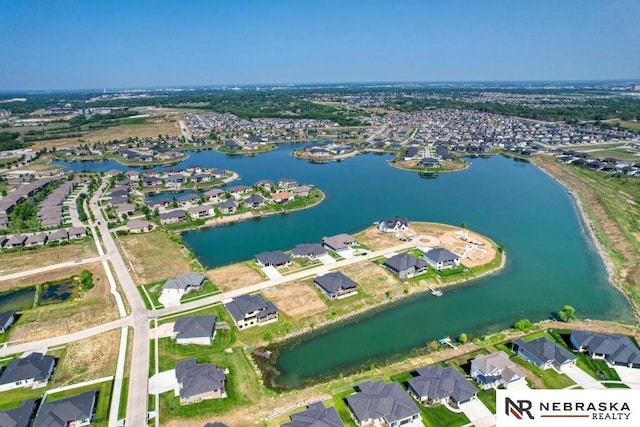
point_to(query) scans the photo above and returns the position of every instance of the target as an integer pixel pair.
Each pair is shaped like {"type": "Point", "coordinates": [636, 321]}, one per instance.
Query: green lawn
{"type": "Point", "coordinates": [208, 289]}
{"type": "Point", "coordinates": [597, 368]}
{"type": "Point", "coordinates": [488, 397]}
{"type": "Point", "coordinates": [169, 352]}
{"type": "Point", "coordinates": [342, 409]}
{"type": "Point", "coordinates": [439, 416]}
{"type": "Point", "coordinates": [615, 385]}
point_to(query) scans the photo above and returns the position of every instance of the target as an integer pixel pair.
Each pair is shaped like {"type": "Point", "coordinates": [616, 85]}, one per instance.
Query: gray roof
{"type": "Point", "coordinates": [197, 379]}
{"type": "Point", "coordinates": [178, 213]}
{"type": "Point", "coordinates": [36, 238]}
{"type": "Point", "coordinates": [436, 382]}
{"type": "Point", "coordinates": [242, 305]}
{"type": "Point", "coordinates": [339, 241]}
{"type": "Point", "coordinates": [77, 230]}
{"type": "Point", "coordinates": [227, 204]}
{"type": "Point", "coordinates": [60, 412]}
{"type": "Point", "coordinates": [188, 197]}
{"type": "Point", "coordinates": [214, 192]}
{"type": "Point", "coordinates": [402, 262]}
{"type": "Point", "coordinates": [138, 223]}
{"type": "Point", "coordinates": [194, 327]}
{"type": "Point", "coordinates": [19, 416]}
{"type": "Point", "coordinates": [184, 280]}
{"type": "Point", "coordinates": [17, 239]}
{"type": "Point", "coordinates": [305, 249]}
{"type": "Point", "coordinates": [273, 258]}
{"type": "Point", "coordinates": [617, 348]}
{"type": "Point", "coordinates": [380, 400]}
{"type": "Point", "coordinates": [316, 415]}
{"type": "Point", "coordinates": [334, 281]}
{"type": "Point", "coordinates": [254, 199]}
{"type": "Point", "coordinates": [544, 350]}
{"type": "Point", "coordinates": [391, 222]}
{"type": "Point", "coordinates": [441, 255]}
{"type": "Point", "coordinates": [35, 365]}
{"type": "Point", "coordinates": [59, 235]}
{"type": "Point", "coordinates": [5, 316]}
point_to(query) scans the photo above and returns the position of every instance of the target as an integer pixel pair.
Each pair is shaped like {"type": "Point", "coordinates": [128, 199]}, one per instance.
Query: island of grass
{"type": "Point", "coordinates": [429, 165]}
{"type": "Point", "coordinates": [325, 152]}
{"type": "Point", "coordinates": [245, 149]}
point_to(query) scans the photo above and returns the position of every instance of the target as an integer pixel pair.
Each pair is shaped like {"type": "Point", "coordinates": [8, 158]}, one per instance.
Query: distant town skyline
{"type": "Point", "coordinates": [118, 44]}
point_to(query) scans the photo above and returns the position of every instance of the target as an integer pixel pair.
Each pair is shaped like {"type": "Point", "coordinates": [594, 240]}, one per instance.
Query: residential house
{"type": "Point", "coordinates": [282, 197]}
{"type": "Point", "coordinates": [237, 190]}
{"type": "Point", "coordinates": [228, 207]}
{"type": "Point", "coordinates": [254, 201]}
{"type": "Point", "coordinates": [6, 320]}
{"type": "Point", "coordinates": [16, 241]}
{"type": "Point", "coordinates": [3, 240]}
{"type": "Point", "coordinates": [199, 382]}
{"type": "Point", "coordinates": [74, 411]}
{"type": "Point", "coordinates": [152, 181]}
{"type": "Point", "coordinates": [139, 226]}
{"type": "Point", "coordinates": [543, 353]}
{"type": "Point", "coordinates": [339, 243]}
{"type": "Point", "coordinates": [316, 415]}
{"type": "Point", "coordinates": [201, 177]}
{"type": "Point", "coordinates": [184, 283]}
{"type": "Point", "coordinates": [495, 369]}
{"type": "Point", "coordinates": [393, 225]}
{"type": "Point", "coordinates": [251, 310]}
{"type": "Point", "coordinates": [379, 403]}
{"type": "Point", "coordinates": [175, 180]}
{"type": "Point", "coordinates": [303, 191]}
{"type": "Point", "coordinates": [219, 173]}
{"type": "Point", "coordinates": [287, 183]}
{"type": "Point", "coordinates": [336, 285]}
{"type": "Point", "coordinates": [20, 416]}
{"type": "Point", "coordinates": [308, 250]}
{"type": "Point", "coordinates": [112, 172]}
{"type": "Point", "coordinates": [132, 175]}
{"type": "Point", "coordinates": [77, 232]}
{"type": "Point", "coordinates": [617, 350]}
{"type": "Point", "coordinates": [118, 201]}
{"type": "Point", "coordinates": [128, 209]}
{"type": "Point", "coordinates": [188, 199]}
{"type": "Point", "coordinates": [33, 370]}
{"type": "Point", "coordinates": [214, 195]}
{"type": "Point", "coordinates": [60, 235]}
{"type": "Point", "coordinates": [36, 240]}
{"type": "Point", "coordinates": [173, 217]}
{"type": "Point", "coordinates": [273, 259]}
{"type": "Point", "coordinates": [435, 384]}
{"type": "Point", "coordinates": [429, 162]}
{"type": "Point", "coordinates": [202, 211]}
{"type": "Point", "coordinates": [195, 330]}
{"type": "Point", "coordinates": [405, 265]}
{"type": "Point", "coordinates": [440, 258]}
{"type": "Point", "coordinates": [265, 184]}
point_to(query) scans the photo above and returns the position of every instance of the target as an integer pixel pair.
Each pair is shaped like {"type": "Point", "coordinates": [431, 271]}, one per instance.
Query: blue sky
{"type": "Point", "coordinates": [146, 43]}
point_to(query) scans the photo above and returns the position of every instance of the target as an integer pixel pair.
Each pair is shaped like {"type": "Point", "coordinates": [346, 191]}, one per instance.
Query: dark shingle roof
{"type": "Point", "coordinates": [316, 415]}
{"type": "Point", "coordinates": [544, 350]}
{"type": "Point", "coordinates": [60, 412]}
{"type": "Point", "coordinates": [178, 213]}
{"type": "Point", "coordinates": [194, 327]}
{"type": "Point", "coordinates": [305, 249]}
{"type": "Point", "coordinates": [240, 306]}
{"type": "Point", "coordinates": [227, 204]}
{"type": "Point", "coordinates": [197, 379]}
{"type": "Point", "coordinates": [441, 255]}
{"type": "Point", "coordinates": [402, 262]}
{"type": "Point", "coordinates": [617, 348]}
{"type": "Point", "coordinates": [380, 400]}
{"type": "Point", "coordinates": [333, 282]}
{"type": "Point", "coordinates": [273, 258]}
{"type": "Point", "coordinates": [35, 365]}
{"type": "Point", "coordinates": [254, 199]}
{"type": "Point", "coordinates": [436, 382]}
{"type": "Point", "coordinates": [184, 280]}
{"type": "Point", "coordinates": [20, 416]}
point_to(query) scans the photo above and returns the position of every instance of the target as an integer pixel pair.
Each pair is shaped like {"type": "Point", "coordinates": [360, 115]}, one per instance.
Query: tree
{"type": "Point", "coordinates": [567, 314]}
{"type": "Point", "coordinates": [462, 338]}
{"type": "Point", "coordinates": [523, 325]}
{"type": "Point", "coordinates": [86, 279]}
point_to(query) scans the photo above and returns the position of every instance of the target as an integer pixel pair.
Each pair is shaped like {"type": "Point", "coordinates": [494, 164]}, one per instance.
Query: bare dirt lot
{"type": "Point", "coordinates": [89, 359]}
{"type": "Point", "coordinates": [376, 240]}
{"type": "Point", "coordinates": [473, 249]}
{"type": "Point", "coordinates": [296, 299]}
{"type": "Point", "coordinates": [13, 262]}
{"type": "Point", "coordinates": [96, 307]}
{"type": "Point", "coordinates": [234, 276]}
{"type": "Point", "coordinates": [372, 278]}
{"type": "Point", "coordinates": [154, 256]}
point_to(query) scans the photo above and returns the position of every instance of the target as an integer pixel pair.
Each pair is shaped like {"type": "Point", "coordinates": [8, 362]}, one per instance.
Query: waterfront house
{"type": "Point", "coordinates": [440, 258]}
{"type": "Point", "coordinates": [237, 190]}
{"type": "Point", "coordinates": [184, 283]}
{"type": "Point", "coordinates": [435, 384]}
{"type": "Point", "coordinates": [339, 243]}
{"type": "Point", "coordinates": [19, 416]}
{"type": "Point", "coordinates": [405, 265]}
{"type": "Point", "coordinates": [308, 250]}
{"type": "Point", "coordinates": [188, 199]}
{"type": "Point", "coordinates": [33, 370]}
{"type": "Point", "coordinates": [228, 206]}
{"type": "Point", "coordinates": [287, 183]}
{"type": "Point", "coordinates": [543, 353]}
{"type": "Point", "coordinates": [175, 180]}
{"type": "Point", "coordinates": [214, 194]}
{"type": "Point", "coordinates": [282, 197]}
{"type": "Point", "coordinates": [379, 403]}
{"type": "Point", "coordinates": [251, 310]}
{"type": "Point", "coordinates": [316, 415]}
{"type": "Point", "coordinates": [264, 184]}
{"type": "Point", "coordinates": [201, 177]}
{"type": "Point", "coordinates": [157, 203]}
{"type": "Point", "coordinates": [617, 350]}
{"type": "Point", "coordinates": [199, 330]}
{"type": "Point", "coordinates": [254, 201]}
{"type": "Point", "coordinates": [112, 172]}
{"type": "Point", "coordinates": [203, 211]}
{"type": "Point", "coordinates": [219, 173]}
{"type": "Point", "coordinates": [393, 225]}
{"type": "Point", "coordinates": [302, 190]}
{"type": "Point", "coordinates": [336, 285]}
{"type": "Point", "coordinates": [173, 217]}
{"type": "Point", "coordinates": [198, 382]}
{"type": "Point", "coordinates": [6, 320]}
{"type": "Point", "coordinates": [429, 163]}
{"type": "Point", "coordinates": [494, 370]}
{"type": "Point", "coordinates": [139, 226]}
{"type": "Point", "coordinates": [71, 411]}
{"type": "Point", "coordinates": [152, 181]}
{"type": "Point", "coordinates": [273, 259]}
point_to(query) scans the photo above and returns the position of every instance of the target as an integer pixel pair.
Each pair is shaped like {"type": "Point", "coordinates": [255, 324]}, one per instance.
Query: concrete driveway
{"type": "Point", "coordinates": [478, 414]}
{"type": "Point", "coordinates": [326, 259]}
{"type": "Point", "coordinates": [162, 331]}
{"type": "Point", "coordinates": [629, 376]}
{"type": "Point", "coordinates": [581, 378]}
{"type": "Point", "coordinates": [169, 300]}
{"type": "Point", "coordinates": [271, 272]}
{"type": "Point", "coordinates": [163, 381]}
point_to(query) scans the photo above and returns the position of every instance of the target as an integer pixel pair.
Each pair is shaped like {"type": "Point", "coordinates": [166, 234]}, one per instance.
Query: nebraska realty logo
{"type": "Point", "coordinates": [620, 407]}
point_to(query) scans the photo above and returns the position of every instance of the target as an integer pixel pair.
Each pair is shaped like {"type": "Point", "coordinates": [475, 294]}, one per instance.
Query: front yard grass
{"type": "Point", "coordinates": [488, 397]}
{"type": "Point", "coordinates": [439, 416]}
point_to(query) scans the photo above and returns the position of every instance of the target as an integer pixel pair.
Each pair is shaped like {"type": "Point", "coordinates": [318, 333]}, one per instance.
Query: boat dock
{"type": "Point", "coordinates": [435, 292]}
{"type": "Point", "coordinates": [447, 341]}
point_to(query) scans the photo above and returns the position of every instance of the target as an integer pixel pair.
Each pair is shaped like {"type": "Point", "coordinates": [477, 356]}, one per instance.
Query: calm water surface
{"type": "Point", "coordinates": [551, 261]}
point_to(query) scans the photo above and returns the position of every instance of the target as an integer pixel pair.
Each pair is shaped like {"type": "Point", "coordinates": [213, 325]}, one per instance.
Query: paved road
{"type": "Point", "coordinates": [321, 269]}
{"type": "Point", "coordinates": [14, 276]}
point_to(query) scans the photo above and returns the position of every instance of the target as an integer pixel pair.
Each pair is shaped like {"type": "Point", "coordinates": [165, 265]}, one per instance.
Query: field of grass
{"type": "Point", "coordinates": [28, 259]}
{"type": "Point", "coordinates": [634, 126]}
{"type": "Point", "coordinates": [439, 416]}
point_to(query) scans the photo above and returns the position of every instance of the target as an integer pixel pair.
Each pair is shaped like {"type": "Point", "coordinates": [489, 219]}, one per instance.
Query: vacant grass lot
{"type": "Point", "coordinates": [234, 276]}
{"type": "Point", "coordinates": [154, 256]}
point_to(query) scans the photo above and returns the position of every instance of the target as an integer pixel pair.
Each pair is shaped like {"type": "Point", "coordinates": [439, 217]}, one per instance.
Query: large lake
{"type": "Point", "coordinates": [551, 260]}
